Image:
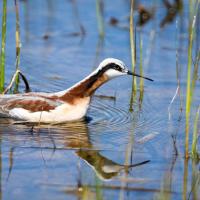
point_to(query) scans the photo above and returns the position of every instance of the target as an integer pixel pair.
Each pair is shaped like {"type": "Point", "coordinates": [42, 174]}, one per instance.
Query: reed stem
{"type": "Point", "coordinates": [195, 72]}
{"type": "Point", "coordinates": [141, 70]}
{"type": "Point", "coordinates": [3, 44]}
{"type": "Point", "coordinates": [189, 68]}
{"type": "Point", "coordinates": [18, 44]}
{"type": "Point", "coordinates": [132, 44]}
{"type": "Point", "coordinates": [99, 10]}
{"type": "Point", "coordinates": [141, 65]}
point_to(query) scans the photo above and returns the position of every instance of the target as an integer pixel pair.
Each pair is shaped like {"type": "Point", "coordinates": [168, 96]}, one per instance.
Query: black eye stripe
{"type": "Point", "coordinates": [114, 66]}
{"type": "Point", "coordinates": [107, 67]}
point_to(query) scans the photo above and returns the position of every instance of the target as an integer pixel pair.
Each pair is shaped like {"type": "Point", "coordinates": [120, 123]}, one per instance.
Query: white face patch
{"type": "Point", "coordinates": [112, 73]}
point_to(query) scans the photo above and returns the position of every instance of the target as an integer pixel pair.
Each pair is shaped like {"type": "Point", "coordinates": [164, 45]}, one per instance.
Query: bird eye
{"type": "Point", "coordinates": [117, 67]}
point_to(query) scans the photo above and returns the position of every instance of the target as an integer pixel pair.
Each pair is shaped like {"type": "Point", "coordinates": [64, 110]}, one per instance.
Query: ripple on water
{"type": "Point", "coordinates": [112, 124]}
{"type": "Point", "coordinates": [117, 117]}
{"type": "Point", "coordinates": [107, 125]}
{"type": "Point", "coordinates": [106, 115]}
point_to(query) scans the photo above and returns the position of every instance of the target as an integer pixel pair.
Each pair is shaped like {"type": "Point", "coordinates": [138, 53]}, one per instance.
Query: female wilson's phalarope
{"type": "Point", "coordinates": [67, 105]}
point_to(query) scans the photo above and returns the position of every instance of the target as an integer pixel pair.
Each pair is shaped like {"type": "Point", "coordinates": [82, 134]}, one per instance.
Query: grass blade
{"type": "Point", "coordinates": [195, 135]}
{"type": "Point", "coordinates": [18, 45]}
{"type": "Point", "coordinates": [99, 10]}
{"type": "Point", "coordinates": [141, 71]}
{"type": "Point", "coordinates": [132, 44]}
{"type": "Point", "coordinates": [3, 44]}
{"type": "Point", "coordinates": [189, 69]}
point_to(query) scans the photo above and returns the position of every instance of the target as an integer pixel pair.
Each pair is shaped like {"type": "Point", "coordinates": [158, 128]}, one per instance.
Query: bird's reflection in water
{"type": "Point", "coordinates": [76, 135]}
{"type": "Point", "coordinates": [104, 167]}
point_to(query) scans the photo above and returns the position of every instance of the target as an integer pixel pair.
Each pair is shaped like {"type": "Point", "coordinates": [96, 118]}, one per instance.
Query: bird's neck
{"type": "Point", "coordinates": [86, 87]}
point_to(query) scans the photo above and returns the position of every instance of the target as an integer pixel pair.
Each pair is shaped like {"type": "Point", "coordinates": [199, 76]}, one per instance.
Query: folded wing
{"type": "Point", "coordinates": [29, 102]}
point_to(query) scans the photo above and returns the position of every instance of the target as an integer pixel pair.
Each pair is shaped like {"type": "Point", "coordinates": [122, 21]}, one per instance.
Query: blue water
{"type": "Point", "coordinates": [82, 160]}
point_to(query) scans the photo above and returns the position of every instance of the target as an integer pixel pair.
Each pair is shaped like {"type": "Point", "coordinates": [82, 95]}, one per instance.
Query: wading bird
{"type": "Point", "coordinates": [67, 105]}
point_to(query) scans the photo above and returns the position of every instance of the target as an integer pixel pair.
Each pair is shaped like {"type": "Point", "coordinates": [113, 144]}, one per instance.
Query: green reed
{"type": "Point", "coordinates": [98, 188]}
{"type": "Point", "coordinates": [18, 44]}
{"type": "Point", "coordinates": [195, 72]}
{"type": "Point", "coordinates": [100, 20]}
{"type": "Point", "coordinates": [195, 135]}
{"type": "Point", "coordinates": [141, 69]}
{"type": "Point", "coordinates": [3, 44]}
{"type": "Point", "coordinates": [133, 56]}
{"type": "Point", "coordinates": [194, 191]}
{"type": "Point", "coordinates": [189, 92]}
{"type": "Point", "coordinates": [195, 128]}
{"type": "Point", "coordinates": [132, 44]}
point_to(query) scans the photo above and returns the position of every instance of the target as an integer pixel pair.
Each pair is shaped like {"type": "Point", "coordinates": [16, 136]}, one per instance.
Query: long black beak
{"type": "Point", "coordinates": [133, 74]}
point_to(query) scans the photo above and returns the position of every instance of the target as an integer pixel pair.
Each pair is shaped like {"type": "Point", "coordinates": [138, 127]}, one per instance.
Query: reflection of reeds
{"type": "Point", "coordinates": [194, 193]}
{"type": "Point", "coordinates": [99, 195]}
{"type": "Point", "coordinates": [195, 136]}
{"type": "Point", "coordinates": [185, 180]}
{"type": "Point", "coordinates": [3, 43]}
{"type": "Point", "coordinates": [82, 31]}
{"type": "Point", "coordinates": [128, 158]}
{"type": "Point", "coordinates": [165, 189]}
{"type": "Point", "coordinates": [178, 73]}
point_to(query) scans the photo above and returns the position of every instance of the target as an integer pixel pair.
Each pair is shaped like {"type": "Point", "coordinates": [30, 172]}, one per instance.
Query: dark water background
{"type": "Point", "coordinates": [81, 160]}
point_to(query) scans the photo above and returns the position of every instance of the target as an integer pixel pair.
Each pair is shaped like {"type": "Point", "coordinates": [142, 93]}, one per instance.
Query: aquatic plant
{"type": "Point", "coordinates": [195, 136]}
{"type": "Point", "coordinates": [18, 45]}
{"type": "Point", "coordinates": [3, 44]}
{"type": "Point", "coordinates": [100, 21]}
{"type": "Point", "coordinates": [194, 191]}
{"type": "Point", "coordinates": [133, 56]}
{"type": "Point", "coordinates": [178, 77]}
{"type": "Point", "coordinates": [98, 189]}
{"type": "Point", "coordinates": [189, 91]}
{"type": "Point", "coordinates": [141, 69]}
{"type": "Point", "coordinates": [165, 188]}
{"type": "Point", "coordinates": [15, 77]}
{"type": "Point", "coordinates": [132, 44]}
{"type": "Point", "coordinates": [185, 180]}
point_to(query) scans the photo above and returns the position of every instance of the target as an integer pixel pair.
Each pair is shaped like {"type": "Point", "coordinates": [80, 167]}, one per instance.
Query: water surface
{"type": "Point", "coordinates": [85, 159]}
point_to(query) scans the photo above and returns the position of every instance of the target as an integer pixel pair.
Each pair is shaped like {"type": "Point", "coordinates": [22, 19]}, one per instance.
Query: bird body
{"type": "Point", "coordinates": [34, 108]}
{"type": "Point", "coordinates": [67, 105]}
